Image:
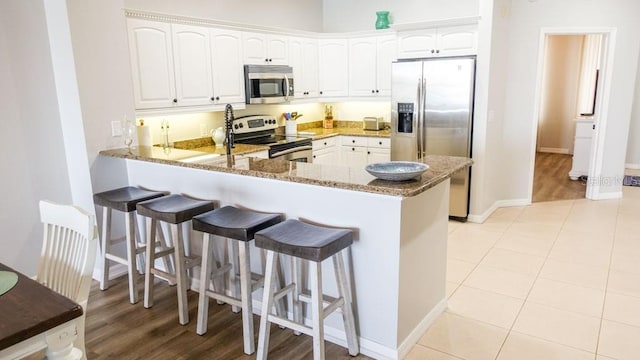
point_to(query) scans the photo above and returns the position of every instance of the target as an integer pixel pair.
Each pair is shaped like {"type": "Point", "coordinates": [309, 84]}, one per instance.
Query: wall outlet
{"type": "Point", "coordinates": [116, 128]}
{"type": "Point", "coordinates": [203, 130]}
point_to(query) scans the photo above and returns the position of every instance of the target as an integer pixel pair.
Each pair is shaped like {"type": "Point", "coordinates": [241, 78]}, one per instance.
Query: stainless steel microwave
{"type": "Point", "coordinates": [268, 84]}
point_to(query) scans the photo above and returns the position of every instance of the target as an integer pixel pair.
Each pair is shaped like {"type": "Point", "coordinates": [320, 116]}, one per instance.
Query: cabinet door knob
{"type": "Point", "coordinates": [437, 51]}
{"type": "Point", "coordinates": [325, 143]}
{"type": "Point", "coordinates": [353, 141]}
{"type": "Point", "coordinates": [377, 91]}
{"type": "Point", "coordinates": [368, 152]}
{"type": "Point", "coordinates": [320, 92]}
{"type": "Point", "coordinates": [353, 149]}
{"type": "Point", "coordinates": [373, 91]}
{"type": "Point", "coordinates": [217, 97]}
{"type": "Point", "coordinates": [175, 100]}
{"type": "Point", "coordinates": [379, 142]}
{"type": "Point", "coordinates": [314, 156]}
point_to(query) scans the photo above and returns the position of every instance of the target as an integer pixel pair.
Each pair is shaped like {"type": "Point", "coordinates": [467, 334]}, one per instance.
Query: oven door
{"type": "Point", "coordinates": [300, 154]}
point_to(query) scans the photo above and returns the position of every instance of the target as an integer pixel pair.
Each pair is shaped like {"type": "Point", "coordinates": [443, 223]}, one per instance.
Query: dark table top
{"type": "Point", "coordinates": [30, 309]}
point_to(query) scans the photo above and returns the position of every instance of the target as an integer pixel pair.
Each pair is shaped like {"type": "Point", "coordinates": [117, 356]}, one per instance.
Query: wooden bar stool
{"type": "Point", "coordinates": [314, 244]}
{"type": "Point", "coordinates": [174, 210]}
{"type": "Point", "coordinates": [239, 227]}
{"type": "Point", "coordinates": [124, 200]}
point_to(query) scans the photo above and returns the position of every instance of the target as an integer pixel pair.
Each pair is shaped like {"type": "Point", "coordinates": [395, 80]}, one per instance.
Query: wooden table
{"type": "Point", "coordinates": [34, 317]}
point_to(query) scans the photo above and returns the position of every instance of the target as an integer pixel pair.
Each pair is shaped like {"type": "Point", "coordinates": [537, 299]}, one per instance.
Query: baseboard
{"type": "Point", "coordinates": [553, 150]}
{"type": "Point", "coordinates": [479, 219]}
{"type": "Point", "coordinates": [416, 334]}
{"type": "Point", "coordinates": [115, 271]}
{"type": "Point", "coordinates": [608, 196]}
{"type": "Point", "coordinates": [632, 166]}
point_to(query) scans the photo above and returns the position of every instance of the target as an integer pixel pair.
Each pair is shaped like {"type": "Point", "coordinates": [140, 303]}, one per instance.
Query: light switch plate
{"type": "Point", "coordinates": [116, 128]}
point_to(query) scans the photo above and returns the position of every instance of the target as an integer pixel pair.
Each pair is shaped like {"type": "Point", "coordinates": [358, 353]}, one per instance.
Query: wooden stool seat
{"type": "Point", "coordinates": [314, 244]}
{"type": "Point", "coordinates": [234, 223]}
{"type": "Point", "coordinates": [124, 200]}
{"type": "Point", "coordinates": [238, 225]}
{"type": "Point", "coordinates": [174, 210]}
{"type": "Point", "coordinates": [306, 241]}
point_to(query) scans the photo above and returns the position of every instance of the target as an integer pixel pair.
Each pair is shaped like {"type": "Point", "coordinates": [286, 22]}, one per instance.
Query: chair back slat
{"type": "Point", "coordinates": [68, 250]}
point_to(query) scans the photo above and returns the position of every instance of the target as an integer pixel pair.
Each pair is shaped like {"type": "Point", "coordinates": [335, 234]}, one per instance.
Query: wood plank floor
{"type": "Point", "coordinates": [115, 329]}
{"type": "Point", "coordinates": [551, 179]}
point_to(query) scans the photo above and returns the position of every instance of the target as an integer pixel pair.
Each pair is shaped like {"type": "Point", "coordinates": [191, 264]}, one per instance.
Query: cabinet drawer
{"type": "Point", "coordinates": [354, 140]}
{"type": "Point", "coordinates": [584, 129]}
{"type": "Point", "coordinates": [323, 143]}
{"type": "Point", "coordinates": [376, 142]}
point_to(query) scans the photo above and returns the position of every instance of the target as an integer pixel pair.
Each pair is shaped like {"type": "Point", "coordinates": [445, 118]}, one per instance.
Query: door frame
{"type": "Point", "coordinates": [596, 154]}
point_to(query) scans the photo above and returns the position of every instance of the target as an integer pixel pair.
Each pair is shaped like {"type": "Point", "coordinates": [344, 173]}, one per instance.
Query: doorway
{"type": "Point", "coordinates": [571, 94]}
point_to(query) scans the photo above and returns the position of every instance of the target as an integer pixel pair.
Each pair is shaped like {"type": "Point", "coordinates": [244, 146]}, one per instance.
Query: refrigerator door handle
{"type": "Point", "coordinates": [418, 120]}
{"type": "Point", "coordinates": [423, 117]}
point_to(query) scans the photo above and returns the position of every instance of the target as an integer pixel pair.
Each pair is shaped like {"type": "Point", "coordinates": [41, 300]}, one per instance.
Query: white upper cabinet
{"type": "Point", "coordinates": [333, 67]}
{"type": "Point", "coordinates": [227, 70]}
{"type": "Point", "coordinates": [370, 65]}
{"type": "Point", "coordinates": [192, 61]}
{"type": "Point", "coordinates": [433, 42]}
{"type": "Point", "coordinates": [265, 49]}
{"type": "Point", "coordinates": [303, 58]}
{"type": "Point", "coordinates": [151, 63]}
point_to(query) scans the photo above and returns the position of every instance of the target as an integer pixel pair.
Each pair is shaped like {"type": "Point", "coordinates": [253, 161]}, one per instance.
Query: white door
{"type": "Point", "coordinates": [417, 44]}
{"type": "Point", "coordinates": [254, 47]}
{"type": "Point", "coordinates": [362, 66]}
{"type": "Point", "coordinates": [333, 67]}
{"type": "Point", "coordinates": [310, 69]}
{"type": "Point", "coordinates": [457, 40]}
{"type": "Point", "coordinates": [192, 61]}
{"type": "Point", "coordinates": [386, 54]}
{"type": "Point", "coordinates": [151, 64]}
{"type": "Point", "coordinates": [227, 69]}
{"type": "Point", "coordinates": [277, 50]}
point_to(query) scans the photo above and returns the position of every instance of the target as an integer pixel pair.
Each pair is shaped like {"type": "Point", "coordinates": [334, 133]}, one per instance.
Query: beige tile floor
{"type": "Point", "coordinates": [556, 280]}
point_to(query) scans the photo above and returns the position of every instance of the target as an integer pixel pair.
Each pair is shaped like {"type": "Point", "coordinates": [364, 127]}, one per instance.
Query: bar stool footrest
{"type": "Point", "coordinates": [284, 322]}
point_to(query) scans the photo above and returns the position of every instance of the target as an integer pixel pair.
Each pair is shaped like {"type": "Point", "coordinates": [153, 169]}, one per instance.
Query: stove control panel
{"type": "Point", "coordinates": [253, 123]}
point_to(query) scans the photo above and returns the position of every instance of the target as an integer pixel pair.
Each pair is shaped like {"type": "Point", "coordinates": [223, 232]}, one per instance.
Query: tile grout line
{"type": "Point", "coordinates": [534, 282]}
{"type": "Point", "coordinates": [606, 285]}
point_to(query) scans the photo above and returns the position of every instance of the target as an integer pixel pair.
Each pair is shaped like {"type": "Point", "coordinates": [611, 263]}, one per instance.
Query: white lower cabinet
{"type": "Point", "coordinates": [359, 151]}
{"type": "Point", "coordinates": [325, 151]}
{"type": "Point", "coordinates": [581, 148]}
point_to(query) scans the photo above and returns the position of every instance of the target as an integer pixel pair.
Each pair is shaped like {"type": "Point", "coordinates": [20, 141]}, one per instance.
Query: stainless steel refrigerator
{"type": "Point", "coordinates": [432, 114]}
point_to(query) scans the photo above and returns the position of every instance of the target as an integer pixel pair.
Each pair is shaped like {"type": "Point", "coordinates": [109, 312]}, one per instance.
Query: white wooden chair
{"type": "Point", "coordinates": [68, 255]}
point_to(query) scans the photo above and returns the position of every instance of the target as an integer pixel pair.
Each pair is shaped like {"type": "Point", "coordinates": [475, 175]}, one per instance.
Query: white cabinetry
{"type": "Point", "coordinates": [151, 64]}
{"type": "Point", "coordinates": [303, 58]}
{"type": "Point", "coordinates": [325, 151]}
{"type": "Point", "coordinates": [333, 67]}
{"type": "Point", "coordinates": [358, 151]}
{"type": "Point", "coordinates": [182, 66]}
{"type": "Point", "coordinates": [581, 148]}
{"type": "Point", "coordinates": [228, 75]}
{"type": "Point", "coordinates": [370, 61]}
{"type": "Point", "coordinates": [192, 62]}
{"type": "Point", "coordinates": [433, 42]}
{"type": "Point", "coordinates": [265, 49]}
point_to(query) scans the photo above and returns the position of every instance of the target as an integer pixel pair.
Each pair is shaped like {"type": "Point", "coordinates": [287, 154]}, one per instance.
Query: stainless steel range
{"type": "Point", "coordinates": [261, 130]}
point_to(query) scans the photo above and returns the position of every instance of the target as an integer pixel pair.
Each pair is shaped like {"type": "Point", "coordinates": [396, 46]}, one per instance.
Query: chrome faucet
{"type": "Point", "coordinates": [228, 123]}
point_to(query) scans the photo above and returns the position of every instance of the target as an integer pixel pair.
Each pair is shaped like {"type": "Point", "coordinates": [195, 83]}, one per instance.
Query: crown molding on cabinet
{"type": "Point", "coordinates": [179, 19]}
{"type": "Point", "coordinates": [469, 20]}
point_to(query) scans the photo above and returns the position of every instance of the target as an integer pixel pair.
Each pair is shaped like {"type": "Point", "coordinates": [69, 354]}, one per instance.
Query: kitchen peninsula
{"type": "Point", "coordinates": [398, 259]}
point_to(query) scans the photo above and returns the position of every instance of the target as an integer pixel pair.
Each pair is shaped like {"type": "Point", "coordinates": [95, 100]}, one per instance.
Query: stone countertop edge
{"type": "Point", "coordinates": [322, 133]}
{"type": "Point", "coordinates": [440, 169]}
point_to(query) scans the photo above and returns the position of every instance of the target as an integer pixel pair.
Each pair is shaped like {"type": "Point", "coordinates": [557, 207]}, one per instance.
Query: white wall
{"type": "Point", "coordinates": [34, 166]}
{"type": "Point", "coordinates": [527, 20]}
{"type": "Point", "coordinates": [633, 147]}
{"type": "Point", "coordinates": [354, 15]}
{"type": "Point", "coordinates": [286, 14]}
{"type": "Point", "coordinates": [562, 59]}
